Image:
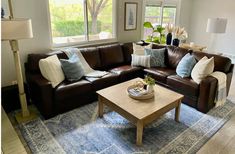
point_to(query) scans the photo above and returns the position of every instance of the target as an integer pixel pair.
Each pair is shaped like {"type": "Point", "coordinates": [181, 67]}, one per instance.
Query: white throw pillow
{"type": "Point", "coordinates": [139, 60]}
{"type": "Point", "coordinates": [202, 69]}
{"type": "Point", "coordinates": [50, 68]}
{"type": "Point", "coordinates": [139, 50]}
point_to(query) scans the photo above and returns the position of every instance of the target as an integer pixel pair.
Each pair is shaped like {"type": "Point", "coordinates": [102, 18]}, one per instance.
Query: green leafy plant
{"type": "Point", "coordinates": [161, 39]}
{"type": "Point", "coordinates": [149, 80]}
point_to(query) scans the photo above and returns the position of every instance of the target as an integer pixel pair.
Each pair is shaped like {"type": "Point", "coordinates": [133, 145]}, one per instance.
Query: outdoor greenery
{"type": "Point", "coordinates": [67, 17]}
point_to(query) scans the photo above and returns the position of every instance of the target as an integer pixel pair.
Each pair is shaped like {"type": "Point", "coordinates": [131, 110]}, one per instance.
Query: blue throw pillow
{"type": "Point", "coordinates": [186, 65]}
{"type": "Point", "coordinates": [157, 57]}
{"type": "Point", "coordinates": [72, 68]}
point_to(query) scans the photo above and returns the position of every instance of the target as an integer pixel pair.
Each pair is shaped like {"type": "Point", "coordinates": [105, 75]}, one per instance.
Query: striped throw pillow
{"type": "Point", "coordinates": [139, 60]}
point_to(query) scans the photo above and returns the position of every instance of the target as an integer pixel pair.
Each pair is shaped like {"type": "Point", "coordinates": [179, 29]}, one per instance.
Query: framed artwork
{"type": "Point", "coordinates": [130, 16]}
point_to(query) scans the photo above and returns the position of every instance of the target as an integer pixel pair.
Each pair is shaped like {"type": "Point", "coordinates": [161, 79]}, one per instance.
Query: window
{"type": "Point", "coordinates": [81, 21]}
{"type": "Point", "coordinates": [159, 15]}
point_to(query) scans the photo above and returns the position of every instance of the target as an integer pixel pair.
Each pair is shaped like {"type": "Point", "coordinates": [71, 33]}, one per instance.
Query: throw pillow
{"type": "Point", "coordinates": [50, 68]}
{"type": "Point", "coordinates": [72, 68]}
{"type": "Point", "coordinates": [203, 68]}
{"type": "Point", "coordinates": [138, 49]}
{"type": "Point", "coordinates": [185, 66]}
{"type": "Point", "coordinates": [157, 57]}
{"type": "Point", "coordinates": [138, 60]}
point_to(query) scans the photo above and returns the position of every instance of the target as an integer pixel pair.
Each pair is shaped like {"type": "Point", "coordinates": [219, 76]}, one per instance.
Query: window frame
{"type": "Point", "coordinates": [159, 3]}
{"type": "Point", "coordinates": [86, 42]}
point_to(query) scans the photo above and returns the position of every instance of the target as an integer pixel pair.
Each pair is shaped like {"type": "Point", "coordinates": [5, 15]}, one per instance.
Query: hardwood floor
{"type": "Point", "coordinates": [223, 142]}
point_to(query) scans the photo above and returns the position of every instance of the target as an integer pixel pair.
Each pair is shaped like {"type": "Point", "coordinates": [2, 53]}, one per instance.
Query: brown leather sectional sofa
{"type": "Point", "coordinates": [116, 59]}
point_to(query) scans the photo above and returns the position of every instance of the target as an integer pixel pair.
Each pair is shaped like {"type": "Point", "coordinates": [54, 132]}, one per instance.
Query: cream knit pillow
{"type": "Point", "coordinates": [50, 68]}
{"type": "Point", "coordinates": [139, 50]}
{"type": "Point", "coordinates": [203, 68]}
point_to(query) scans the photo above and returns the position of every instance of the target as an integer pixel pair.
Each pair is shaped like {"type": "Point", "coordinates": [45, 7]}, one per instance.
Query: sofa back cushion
{"type": "Point", "coordinates": [33, 59]}
{"type": "Point", "coordinates": [127, 49]}
{"type": "Point", "coordinates": [111, 55]}
{"type": "Point", "coordinates": [174, 55]}
{"type": "Point", "coordinates": [222, 64]}
{"type": "Point", "coordinates": [92, 57]}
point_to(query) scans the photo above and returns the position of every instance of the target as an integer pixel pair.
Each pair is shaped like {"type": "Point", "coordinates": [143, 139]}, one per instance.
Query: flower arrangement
{"type": "Point", "coordinates": [149, 80]}
{"type": "Point", "coordinates": [180, 33]}
{"type": "Point", "coordinates": [169, 28]}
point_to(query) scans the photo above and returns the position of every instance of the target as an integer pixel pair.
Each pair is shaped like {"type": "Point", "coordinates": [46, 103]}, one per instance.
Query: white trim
{"type": "Point", "coordinates": [85, 43]}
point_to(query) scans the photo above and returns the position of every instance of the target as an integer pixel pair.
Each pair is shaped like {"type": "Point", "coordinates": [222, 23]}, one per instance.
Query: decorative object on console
{"type": "Point", "coordinates": [14, 29]}
{"type": "Point", "coordinates": [131, 9]}
{"type": "Point", "coordinates": [169, 30]}
{"type": "Point", "coordinates": [50, 68]}
{"type": "Point", "coordinates": [214, 26]}
{"type": "Point", "coordinates": [157, 57]}
{"type": "Point", "coordinates": [180, 34]}
{"type": "Point", "coordinates": [185, 66]}
{"type": "Point", "coordinates": [192, 46]}
{"type": "Point", "coordinates": [72, 68]}
{"type": "Point", "coordinates": [202, 69]}
{"type": "Point", "coordinates": [160, 39]}
{"type": "Point", "coordinates": [139, 60]}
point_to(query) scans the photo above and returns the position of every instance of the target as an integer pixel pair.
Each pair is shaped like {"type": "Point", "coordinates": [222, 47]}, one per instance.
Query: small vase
{"type": "Point", "coordinates": [149, 88]}
{"type": "Point", "coordinates": [168, 38]}
{"type": "Point", "coordinates": [176, 42]}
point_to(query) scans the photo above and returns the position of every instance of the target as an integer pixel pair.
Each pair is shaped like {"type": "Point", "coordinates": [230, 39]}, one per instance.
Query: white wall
{"type": "Point", "coordinates": [37, 11]}
{"type": "Point", "coordinates": [204, 9]}
{"type": "Point", "coordinates": [133, 35]}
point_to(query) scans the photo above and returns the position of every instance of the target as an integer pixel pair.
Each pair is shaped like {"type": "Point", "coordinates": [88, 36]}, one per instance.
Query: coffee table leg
{"type": "Point", "coordinates": [139, 132]}
{"type": "Point", "coordinates": [177, 112]}
{"type": "Point", "coordinates": [100, 106]}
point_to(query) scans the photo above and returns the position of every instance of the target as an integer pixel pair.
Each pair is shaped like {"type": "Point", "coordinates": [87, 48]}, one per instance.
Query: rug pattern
{"type": "Point", "coordinates": [81, 132]}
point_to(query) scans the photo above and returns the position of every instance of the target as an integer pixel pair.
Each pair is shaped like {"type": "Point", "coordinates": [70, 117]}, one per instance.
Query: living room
{"type": "Point", "coordinates": [71, 120]}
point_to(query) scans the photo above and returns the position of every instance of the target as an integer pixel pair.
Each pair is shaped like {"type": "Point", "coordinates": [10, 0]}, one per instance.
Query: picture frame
{"type": "Point", "coordinates": [130, 17]}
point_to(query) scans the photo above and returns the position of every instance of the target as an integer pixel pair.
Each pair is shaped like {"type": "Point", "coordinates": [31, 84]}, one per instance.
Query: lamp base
{"type": "Point", "coordinates": [32, 115]}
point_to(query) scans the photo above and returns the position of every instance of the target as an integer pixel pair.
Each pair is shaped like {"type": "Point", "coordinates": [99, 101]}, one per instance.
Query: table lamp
{"type": "Point", "coordinates": [14, 29]}
{"type": "Point", "coordinates": [216, 25]}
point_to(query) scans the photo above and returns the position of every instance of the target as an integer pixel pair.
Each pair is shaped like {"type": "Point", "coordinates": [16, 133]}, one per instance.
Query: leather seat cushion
{"type": "Point", "coordinates": [127, 72]}
{"type": "Point", "coordinates": [185, 86]}
{"type": "Point", "coordinates": [106, 81]}
{"type": "Point", "coordinates": [68, 90]}
{"type": "Point", "coordinates": [160, 73]}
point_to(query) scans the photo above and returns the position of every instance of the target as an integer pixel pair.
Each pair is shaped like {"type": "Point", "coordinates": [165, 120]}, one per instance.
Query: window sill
{"type": "Point", "coordinates": [84, 43]}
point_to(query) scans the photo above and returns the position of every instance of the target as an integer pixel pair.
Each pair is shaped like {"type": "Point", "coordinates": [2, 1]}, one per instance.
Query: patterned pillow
{"type": "Point", "coordinates": [72, 68]}
{"type": "Point", "coordinates": [157, 57]}
{"type": "Point", "coordinates": [185, 66]}
{"type": "Point", "coordinates": [139, 60]}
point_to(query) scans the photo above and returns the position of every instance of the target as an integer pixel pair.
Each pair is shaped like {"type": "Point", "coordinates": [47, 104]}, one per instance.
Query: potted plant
{"type": "Point", "coordinates": [160, 39]}
{"type": "Point", "coordinates": [169, 30]}
{"type": "Point", "coordinates": [150, 82]}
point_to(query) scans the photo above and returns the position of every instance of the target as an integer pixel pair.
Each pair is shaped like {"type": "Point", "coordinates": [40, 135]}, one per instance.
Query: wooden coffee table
{"type": "Point", "coordinates": [139, 112]}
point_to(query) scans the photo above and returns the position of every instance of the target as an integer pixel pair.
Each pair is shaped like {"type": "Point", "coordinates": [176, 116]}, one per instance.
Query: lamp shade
{"type": "Point", "coordinates": [16, 29]}
{"type": "Point", "coordinates": [216, 25]}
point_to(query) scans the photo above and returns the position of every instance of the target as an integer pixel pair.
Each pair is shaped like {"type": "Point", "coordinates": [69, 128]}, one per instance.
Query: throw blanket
{"type": "Point", "coordinates": [89, 72]}
{"type": "Point", "coordinates": [220, 97]}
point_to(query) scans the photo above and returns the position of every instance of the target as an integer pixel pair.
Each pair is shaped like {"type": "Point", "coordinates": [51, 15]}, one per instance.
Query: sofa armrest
{"type": "Point", "coordinates": [208, 87]}
{"type": "Point", "coordinates": [41, 93]}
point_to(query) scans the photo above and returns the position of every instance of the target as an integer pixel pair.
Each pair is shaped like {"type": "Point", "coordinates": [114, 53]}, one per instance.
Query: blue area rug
{"type": "Point", "coordinates": [81, 132]}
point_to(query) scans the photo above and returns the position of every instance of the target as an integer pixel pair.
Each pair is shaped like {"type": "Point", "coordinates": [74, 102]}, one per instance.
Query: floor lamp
{"type": "Point", "coordinates": [14, 29]}
{"type": "Point", "coordinates": [215, 26]}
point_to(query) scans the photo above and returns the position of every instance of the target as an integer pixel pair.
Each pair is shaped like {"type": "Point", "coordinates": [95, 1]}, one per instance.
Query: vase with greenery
{"type": "Point", "coordinates": [159, 37]}
{"type": "Point", "coordinates": [150, 83]}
